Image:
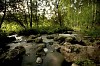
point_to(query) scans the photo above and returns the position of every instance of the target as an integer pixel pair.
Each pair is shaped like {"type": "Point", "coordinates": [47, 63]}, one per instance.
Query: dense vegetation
{"type": "Point", "coordinates": [80, 15]}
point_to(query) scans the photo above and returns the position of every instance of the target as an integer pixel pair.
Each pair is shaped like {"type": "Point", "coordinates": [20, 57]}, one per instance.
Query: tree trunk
{"type": "Point", "coordinates": [36, 15]}
{"type": "Point", "coordinates": [31, 14]}
{"type": "Point", "coordinates": [3, 15]}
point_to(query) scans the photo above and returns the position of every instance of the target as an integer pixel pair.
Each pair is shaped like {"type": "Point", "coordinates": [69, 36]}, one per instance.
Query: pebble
{"type": "Point", "coordinates": [45, 50]}
{"type": "Point", "coordinates": [74, 64]}
{"type": "Point", "coordinates": [39, 60]}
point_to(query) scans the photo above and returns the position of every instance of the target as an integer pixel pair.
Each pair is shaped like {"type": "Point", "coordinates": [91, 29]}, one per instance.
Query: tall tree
{"type": "Point", "coordinates": [3, 8]}
{"type": "Point", "coordinates": [31, 14]}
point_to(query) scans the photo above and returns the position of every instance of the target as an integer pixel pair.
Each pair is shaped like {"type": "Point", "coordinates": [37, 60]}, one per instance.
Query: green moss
{"type": "Point", "coordinates": [85, 62]}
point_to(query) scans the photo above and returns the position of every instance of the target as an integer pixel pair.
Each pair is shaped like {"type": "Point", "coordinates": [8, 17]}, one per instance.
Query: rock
{"type": "Point", "coordinates": [87, 37]}
{"type": "Point", "coordinates": [13, 57]}
{"type": "Point", "coordinates": [65, 49]}
{"type": "Point", "coordinates": [97, 43]}
{"type": "Point", "coordinates": [45, 50]}
{"type": "Point", "coordinates": [96, 54]}
{"type": "Point", "coordinates": [66, 43]}
{"type": "Point", "coordinates": [39, 60]}
{"type": "Point", "coordinates": [50, 43]}
{"type": "Point", "coordinates": [68, 35]}
{"type": "Point", "coordinates": [56, 47]}
{"type": "Point", "coordinates": [53, 59]}
{"type": "Point", "coordinates": [60, 39]}
{"type": "Point", "coordinates": [30, 40]}
{"type": "Point", "coordinates": [82, 42]}
{"type": "Point", "coordinates": [39, 40]}
{"type": "Point", "coordinates": [39, 49]}
{"type": "Point", "coordinates": [4, 40]}
{"type": "Point", "coordinates": [2, 57]}
{"type": "Point", "coordinates": [21, 49]}
{"type": "Point", "coordinates": [50, 37]}
{"type": "Point", "coordinates": [15, 53]}
{"type": "Point", "coordinates": [38, 35]}
{"type": "Point", "coordinates": [74, 64]}
{"type": "Point", "coordinates": [71, 40]}
{"type": "Point", "coordinates": [32, 37]}
{"type": "Point", "coordinates": [69, 32]}
{"type": "Point", "coordinates": [77, 52]}
{"type": "Point", "coordinates": [12, 39]}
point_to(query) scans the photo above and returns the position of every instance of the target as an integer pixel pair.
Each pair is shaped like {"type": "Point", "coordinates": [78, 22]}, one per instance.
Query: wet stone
{"type": "Point", "coordinates": [50, 37]}
{"type": "Point", "coordinates": [39, 60]}
{"type": "Point", "coordinates": [39, 40]}
{"type": "Point", "coordinates": [74, 64]}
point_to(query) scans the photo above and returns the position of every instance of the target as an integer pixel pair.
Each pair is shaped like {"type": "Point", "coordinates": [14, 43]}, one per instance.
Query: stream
{"type": "Point", "coordinates": [29, 59]}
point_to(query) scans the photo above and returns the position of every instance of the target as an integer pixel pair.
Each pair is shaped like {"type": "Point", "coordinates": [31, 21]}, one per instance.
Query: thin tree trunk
{"type": "Point", "coordinates": [3, 15]}
{"type": "Point", "coordinates": [92, 11]}
{"type": "Point", "coordinates": [31, 14]}
{"type": "Point", "coordinates": [95, 11]}
{"type": "Point", "coordinates": [36, 16]}
{"type": "Point", "coordinates": [26, 20]}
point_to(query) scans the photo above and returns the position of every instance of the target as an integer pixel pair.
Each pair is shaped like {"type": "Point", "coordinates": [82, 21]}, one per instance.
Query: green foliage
{"type": "Point", "coordinates": [93, 31]}
{"type": "Point", "coordinates": [85, 62]}
{"type": "Point", "coordinates": [28, 32]}
{"type": "Point", "coordinates": [44, 30]}
{"type": "Point", "coordinates": [10, 27]}
{"type": "Point", "coordinates": [79, 16]}
{"type": "Point", "coordinates": [2, 33]}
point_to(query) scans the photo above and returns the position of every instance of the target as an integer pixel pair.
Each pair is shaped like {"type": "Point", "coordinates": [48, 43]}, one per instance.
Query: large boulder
{"type": "Point", "coordinates": [6, 39]}
{"type": "Point", "coordinates": [76, 52]}
{"type": "Point", "coordinates": [12, 57]}
{"type": "Point", "coordinates": [53, 59]}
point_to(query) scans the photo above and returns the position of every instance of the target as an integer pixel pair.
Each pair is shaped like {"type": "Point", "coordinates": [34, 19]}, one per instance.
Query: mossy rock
{"type": "Point", "coordinates": [13, 57]}
{"type": "Point", "coordinates": [39, 40]}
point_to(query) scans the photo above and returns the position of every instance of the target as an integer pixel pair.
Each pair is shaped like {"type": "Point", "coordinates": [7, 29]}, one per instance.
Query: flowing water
{"type": "Point", "coordinates": [29, 59]}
